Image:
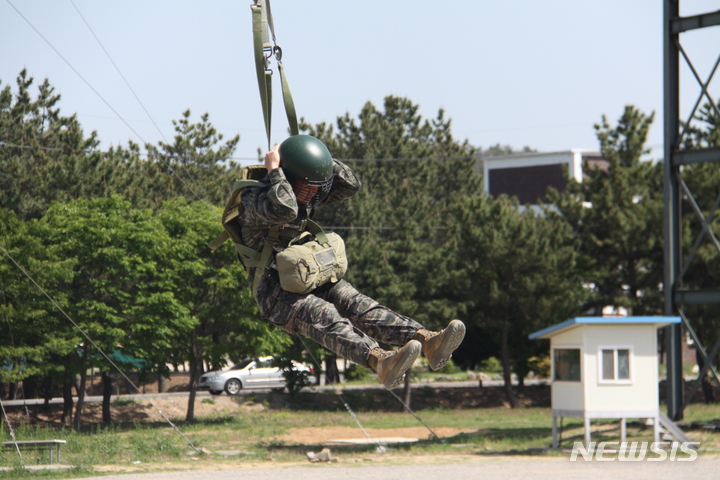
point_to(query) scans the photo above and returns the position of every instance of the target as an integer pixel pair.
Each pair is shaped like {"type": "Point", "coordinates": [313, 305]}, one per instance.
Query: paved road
{"type": "Point", "coordinates": [94, 398]}
{"type": "Point", "coordinates": [485, 468]}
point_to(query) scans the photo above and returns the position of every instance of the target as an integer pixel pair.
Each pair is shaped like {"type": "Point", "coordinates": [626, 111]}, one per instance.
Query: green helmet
{"type": "Point", "coordinates": [303, 157]}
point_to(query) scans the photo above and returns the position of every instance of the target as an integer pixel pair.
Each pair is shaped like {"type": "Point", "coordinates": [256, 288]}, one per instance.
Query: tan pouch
{"type": "Point", "coordinates": [304, 267]}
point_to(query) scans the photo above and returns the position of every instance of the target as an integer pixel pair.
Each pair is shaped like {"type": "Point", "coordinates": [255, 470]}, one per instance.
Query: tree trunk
{"type": "Point", "coordinates": [705, 381]}
{"type": "Point", "coordinates": [332, 374]}
{"type": "Point", "coordinates": [67, 403]}
{"type": "Point", "coordinates": [406, 392]}
{"type": "Point", "coordinates": [29, 387]}
{"type": "Point", "coordinates": [161, 383]}
{"type": "Point", "coordinates": [195, 363]}
{"type": "Point", "coordinates": [507, 371]}
{"type": "Point", "coordinates": [81, 399]}
{"type": "Point", "coordinates": [107, 388]}
{"type": "Point", "coordinates": [81, 388]}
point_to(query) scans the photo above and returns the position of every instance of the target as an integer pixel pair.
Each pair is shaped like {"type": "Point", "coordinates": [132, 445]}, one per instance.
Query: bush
{"type": "Point", "coordinates": [355, 372]}
{"type": "Point", "coordinates": [490, 365]}
{"type": "Point", "coordinates": [540, 365]}
{"type": "Point", "coordinates": [449, 367]}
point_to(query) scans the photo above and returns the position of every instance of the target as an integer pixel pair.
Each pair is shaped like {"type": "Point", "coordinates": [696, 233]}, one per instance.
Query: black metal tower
{"type": "Point", "coordinates": [677, 194]}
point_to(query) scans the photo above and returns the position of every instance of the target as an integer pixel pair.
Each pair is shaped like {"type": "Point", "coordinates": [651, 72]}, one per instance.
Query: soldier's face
{"type": "Point", "coordinates": [304, 192]}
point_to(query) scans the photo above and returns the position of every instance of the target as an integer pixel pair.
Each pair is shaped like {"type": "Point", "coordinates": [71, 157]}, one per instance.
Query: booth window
{"type": "Point", "coordinates": [566, 363]}
{"type": "Point", "coordinates": [615, 365]}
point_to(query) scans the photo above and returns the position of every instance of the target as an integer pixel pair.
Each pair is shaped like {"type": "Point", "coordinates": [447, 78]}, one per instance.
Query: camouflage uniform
{"type": "Point", "coordinates": [334, 315]}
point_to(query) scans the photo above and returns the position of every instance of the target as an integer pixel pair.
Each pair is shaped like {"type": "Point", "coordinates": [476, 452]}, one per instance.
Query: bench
{"type": "Point", "coordinates": [38, 444]}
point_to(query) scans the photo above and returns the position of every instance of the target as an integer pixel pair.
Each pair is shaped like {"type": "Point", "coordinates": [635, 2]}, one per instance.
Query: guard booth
{"type": "Point", "coordinates": [606, 367]}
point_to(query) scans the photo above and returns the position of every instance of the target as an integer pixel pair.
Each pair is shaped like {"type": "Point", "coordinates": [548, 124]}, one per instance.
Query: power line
{"type": "Point", "coordinates": [140, 154]}
{"type": "Point", "coordinates": [217, 157]}
{"type": "Point", "coordinates": [118, 70]}
{"type": "Point", "coordinates": [74, 69]}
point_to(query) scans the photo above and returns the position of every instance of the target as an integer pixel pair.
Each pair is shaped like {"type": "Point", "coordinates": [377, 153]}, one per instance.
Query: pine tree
{"type": "Point", "coordinates": [616, 214]}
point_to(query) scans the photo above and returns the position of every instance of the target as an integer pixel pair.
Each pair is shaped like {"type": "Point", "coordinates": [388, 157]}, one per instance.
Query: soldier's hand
{"type": "Point", "coordinates": [272, 158]}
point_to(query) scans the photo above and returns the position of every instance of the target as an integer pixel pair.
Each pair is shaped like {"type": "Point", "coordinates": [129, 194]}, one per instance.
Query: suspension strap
{"type": "Point", "coordinates": [263, 28]}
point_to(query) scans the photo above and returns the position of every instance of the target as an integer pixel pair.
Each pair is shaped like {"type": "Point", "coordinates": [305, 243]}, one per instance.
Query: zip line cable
{"type": "Point", "coordinates": [417, 417]}
{"type": "Point", "coordinates": [52, 300]}
{"type": "Point", "coordinates": [347, 406]}
{"type": "Point", "coordinates": [339, 395]}
{"type": "Point", "coordinates": [12, 432]}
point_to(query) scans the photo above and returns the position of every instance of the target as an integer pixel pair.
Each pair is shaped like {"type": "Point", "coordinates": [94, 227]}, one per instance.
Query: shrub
{"type": "Point", "coordinates": [355, 372]}
{"type": "Point", "coordinates": [490, 365]}
{"type": "Point", "coordinates": [540, 365]}
{"type": "Point", "coordinates": [449, 367]}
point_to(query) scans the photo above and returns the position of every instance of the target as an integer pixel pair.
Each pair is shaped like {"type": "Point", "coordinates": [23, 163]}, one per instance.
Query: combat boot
{"type": "Point", "coordinates": [439, 346]}
{"type": "Point", "coordinates": [391, 366]}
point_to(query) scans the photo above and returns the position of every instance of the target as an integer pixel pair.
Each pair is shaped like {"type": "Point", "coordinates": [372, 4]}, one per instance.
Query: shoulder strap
{"type": "Point", "coordinates": [265, 257]}
{"type": "Point", "coordinates": [317, 231]}
{"type": "Point", "coordinates": [231, 212]}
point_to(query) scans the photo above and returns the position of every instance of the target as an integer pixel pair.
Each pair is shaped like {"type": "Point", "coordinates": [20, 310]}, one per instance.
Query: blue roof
{"type": "Point", "coordinates": [555, 329]}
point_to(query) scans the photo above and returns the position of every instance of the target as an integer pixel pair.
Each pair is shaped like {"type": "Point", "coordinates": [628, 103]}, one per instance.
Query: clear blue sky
{"type": "Point", "coordinates": [535, 73]}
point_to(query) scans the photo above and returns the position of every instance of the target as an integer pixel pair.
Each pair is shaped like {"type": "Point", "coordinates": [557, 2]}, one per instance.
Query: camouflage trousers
{"type": "Point", "coordinates": [336, 316]}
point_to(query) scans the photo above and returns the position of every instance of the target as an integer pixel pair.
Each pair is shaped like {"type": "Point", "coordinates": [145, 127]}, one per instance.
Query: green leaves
{"type": "Point", "coordinates": [616, 214]}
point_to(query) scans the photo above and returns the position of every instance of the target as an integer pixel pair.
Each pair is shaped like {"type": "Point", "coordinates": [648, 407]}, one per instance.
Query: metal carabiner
{"type": "Point", "coordinates": [303, 263]}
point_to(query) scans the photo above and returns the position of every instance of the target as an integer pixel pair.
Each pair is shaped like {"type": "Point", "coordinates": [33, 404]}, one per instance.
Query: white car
{"type": "Point", "coordinates": [250, 373]}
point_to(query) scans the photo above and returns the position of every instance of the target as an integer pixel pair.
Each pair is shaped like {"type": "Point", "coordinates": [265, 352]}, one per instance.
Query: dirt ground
{"type": "Point", "coordinates": [140, 410]}
{"type": "Point", "coordinates": [325, 435]}
{"type": "Point", "coordinates": [145, 409]}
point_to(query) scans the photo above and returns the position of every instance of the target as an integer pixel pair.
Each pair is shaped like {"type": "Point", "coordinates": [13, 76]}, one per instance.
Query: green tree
{"type": "Point", "coordinates": [197, 163]}
{"type": "Point", "coordinates": [121, 291]}
{"type": "Point", "coordinates": [29, 347]}
{"type": "Point", "coordinates": [45, 156]}
{"type": "Point", "coordinates": [412, 170]}
{"type": "Point", "coordinates": [225, 319]}
{"type": "Point", "coordinates": [513, 272]}
{"type": "Point", "coordinates": [616, 213]}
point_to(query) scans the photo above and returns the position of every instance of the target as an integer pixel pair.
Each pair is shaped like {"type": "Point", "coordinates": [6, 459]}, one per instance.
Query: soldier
{"type": "Point", "coordinates": [301, 174]}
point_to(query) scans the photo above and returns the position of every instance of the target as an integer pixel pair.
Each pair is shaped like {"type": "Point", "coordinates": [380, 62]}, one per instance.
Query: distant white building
{"type": "Point", "coordinates": [527, 176]}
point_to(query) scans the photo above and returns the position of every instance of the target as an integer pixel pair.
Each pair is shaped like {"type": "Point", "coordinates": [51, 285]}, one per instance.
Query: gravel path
{"type": "Point", "coordinates": [485, 468]}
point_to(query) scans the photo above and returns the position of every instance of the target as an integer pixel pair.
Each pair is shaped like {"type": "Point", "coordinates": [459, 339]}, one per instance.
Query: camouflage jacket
{"type": "Point", "coordinates": [275, 204]}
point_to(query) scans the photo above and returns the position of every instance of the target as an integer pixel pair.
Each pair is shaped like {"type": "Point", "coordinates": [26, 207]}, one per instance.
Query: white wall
{"type": "Point", "coordinates": [572, 158]}
{"type": "Point", "coordinates": [642, 391]}
{"type": "Point", "coordinates": [568, 395]}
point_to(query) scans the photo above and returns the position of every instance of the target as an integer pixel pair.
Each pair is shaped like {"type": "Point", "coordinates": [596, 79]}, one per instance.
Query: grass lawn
{"type": "Point", "coordinates": [261, 429]}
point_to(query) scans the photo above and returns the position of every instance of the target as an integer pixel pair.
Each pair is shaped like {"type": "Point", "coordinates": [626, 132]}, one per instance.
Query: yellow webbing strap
{"type": "Point", "coordinates": [264, 76]}
{"type": "Point", "coordinates": [262, 22]}
{"type": "Point", "coordinates": [219, 240]}
{"type": "Point", "coordinates": [265, 257]}
{"type": "Point", "coordinates": [288, 101]}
